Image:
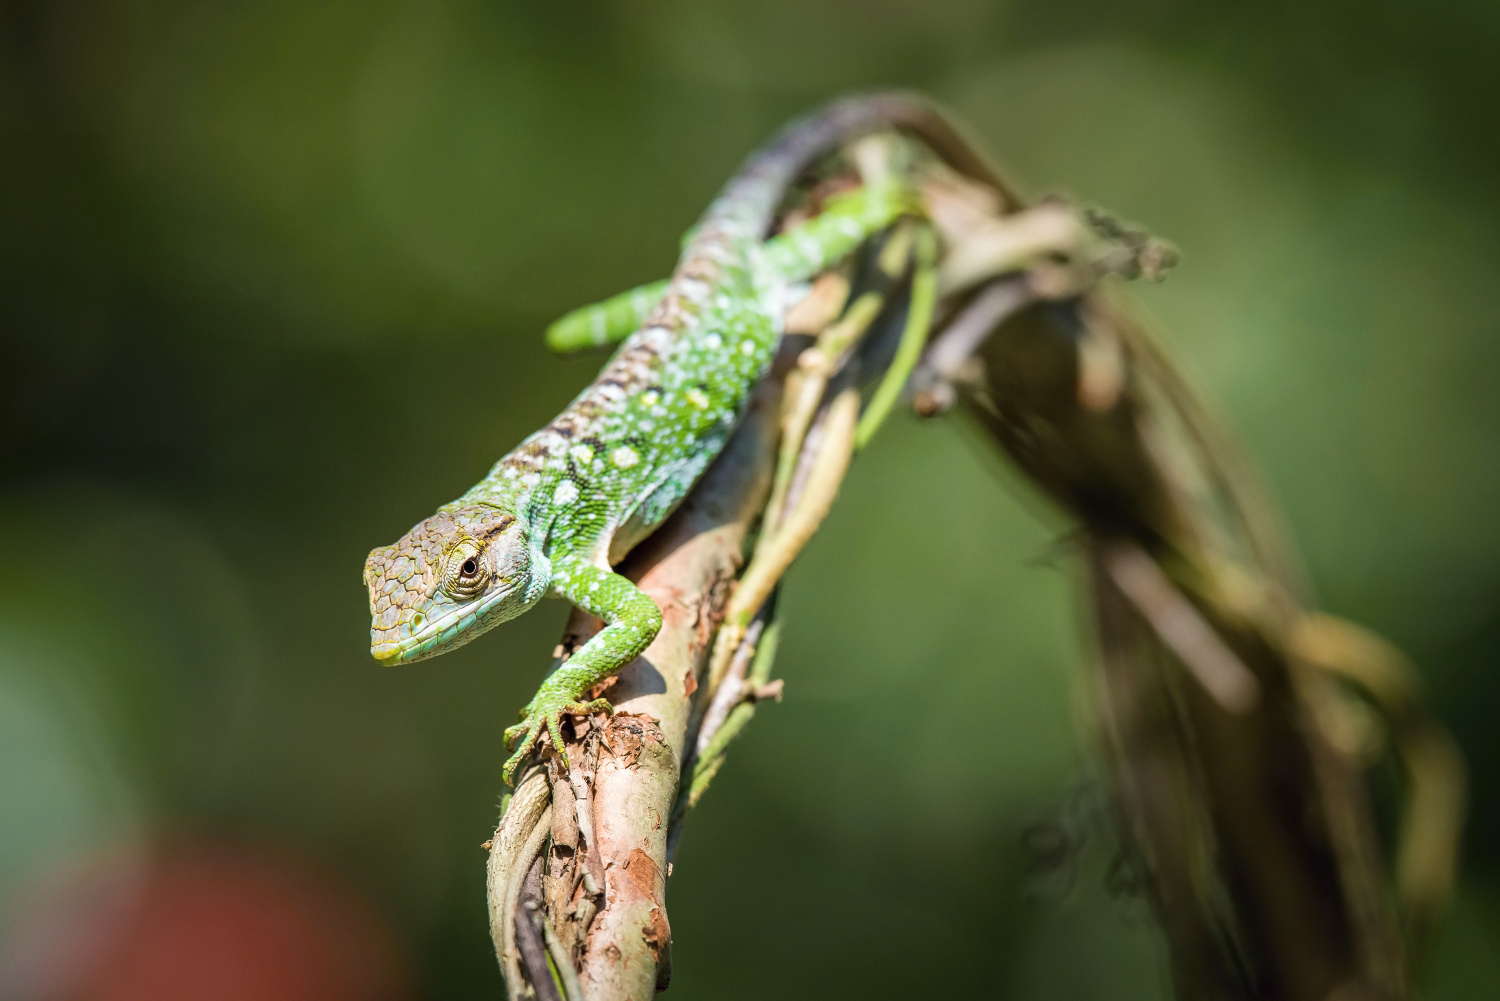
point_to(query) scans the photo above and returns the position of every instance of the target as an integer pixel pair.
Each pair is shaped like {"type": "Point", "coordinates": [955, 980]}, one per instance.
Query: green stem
{"type": "Point", "coordinates": [913, 339]}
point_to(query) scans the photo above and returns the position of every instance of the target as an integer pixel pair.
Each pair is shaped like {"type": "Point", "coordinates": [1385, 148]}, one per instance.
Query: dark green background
{"type": "Point", "coordinates": [272, 282]}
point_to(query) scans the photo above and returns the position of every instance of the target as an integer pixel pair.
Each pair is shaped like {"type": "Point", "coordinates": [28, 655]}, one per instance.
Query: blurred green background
{"type": "Point", "coordinates": [249, 251]}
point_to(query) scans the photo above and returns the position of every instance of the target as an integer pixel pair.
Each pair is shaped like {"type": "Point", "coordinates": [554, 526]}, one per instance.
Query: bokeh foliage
{"type": "Point", "coordinates": [274, 276]}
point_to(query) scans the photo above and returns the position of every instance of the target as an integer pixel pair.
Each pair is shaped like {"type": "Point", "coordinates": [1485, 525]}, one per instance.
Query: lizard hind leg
{"type": "Point", "coordinates": [799, 253]}
{"type": "Point", "coordinates": [604, 323]}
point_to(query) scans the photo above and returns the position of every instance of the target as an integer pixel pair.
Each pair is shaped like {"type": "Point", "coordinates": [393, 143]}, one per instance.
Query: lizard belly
{"type": "Point", "coordinates": [658, 504]}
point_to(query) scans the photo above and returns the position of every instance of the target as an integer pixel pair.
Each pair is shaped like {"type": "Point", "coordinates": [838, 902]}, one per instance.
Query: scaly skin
{"type": "Point", "coordinates": [554, 514]}
{"type": "Point", "coordinates": [844, 222]}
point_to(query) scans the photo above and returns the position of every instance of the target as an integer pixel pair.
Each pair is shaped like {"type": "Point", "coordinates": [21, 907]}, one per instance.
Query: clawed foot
{"type": "Point", "coordinates": [546, 711]}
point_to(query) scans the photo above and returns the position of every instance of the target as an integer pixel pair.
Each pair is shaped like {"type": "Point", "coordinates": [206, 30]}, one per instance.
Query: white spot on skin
{"type": "Point", "coordinates": [650, 398]}
{"type": "Point", "coordinates": [747, 347]}
{"type": "Point", "coordinates": [713, 342]}
{"type": "Point", "coordinates": [566, 492]}
{"type": "Point", "coordinates": [697, 398]}
{"type": "Point", "coordinates": [624, 457]}
{"type": "Point", "coordinates": [583, 454]}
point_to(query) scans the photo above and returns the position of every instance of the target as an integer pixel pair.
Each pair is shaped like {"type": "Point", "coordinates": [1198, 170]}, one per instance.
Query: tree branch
{"type": "Point", "coordinates": [1237, 760]}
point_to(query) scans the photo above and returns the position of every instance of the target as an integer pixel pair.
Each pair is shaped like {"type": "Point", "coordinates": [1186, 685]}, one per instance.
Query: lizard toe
{"type": "Point", "coordinates": [589, 708]}
{"type": "Point", "coordinates": [554, 728]}
{"type": "Point", "coordinates": [507, 773]}
{"type": "Point", "coordinates": [515, 733]}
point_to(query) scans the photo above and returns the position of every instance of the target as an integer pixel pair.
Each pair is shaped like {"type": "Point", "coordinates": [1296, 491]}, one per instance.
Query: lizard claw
{"type": "Point", "coordinates": [548, 713]}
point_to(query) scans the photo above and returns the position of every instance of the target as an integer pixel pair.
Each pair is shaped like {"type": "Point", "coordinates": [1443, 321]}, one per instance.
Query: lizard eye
{"type": "Point", "coordinates": [466, 572]}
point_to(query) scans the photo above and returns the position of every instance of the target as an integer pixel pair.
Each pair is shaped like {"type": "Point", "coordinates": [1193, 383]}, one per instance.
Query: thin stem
{"type": "Point", "coordinates": [1181, 627]}
{"type": "Point", "coordinates": [913, 338]}
{"type": "Point", "coordinates": [772, 561]}
{"type": "Point", "coordinates": [529, 941]}
{"type": "Point", "coordinates": [527, 811]}
{"type": "Point", "coordinates": [561, 961]}
{"type": "Point", "coordinates": [529, 850]}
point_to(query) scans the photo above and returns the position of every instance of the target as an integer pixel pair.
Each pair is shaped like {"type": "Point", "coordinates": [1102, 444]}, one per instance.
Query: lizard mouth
{"type": "Point", "coordinates": [439, 634]}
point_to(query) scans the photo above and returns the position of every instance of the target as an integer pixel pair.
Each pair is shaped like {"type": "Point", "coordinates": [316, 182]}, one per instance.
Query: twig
{"type": "Point", "coordinates": [817, 365]}
{"type": "Point", "coordinates": [1011, 244]}
{"type": "Point", "coordinates": [710, 755]}
{"type": "Point", "coordinates": [525, 808]}
{"type": "Point", "coordinates": [1178, 623]}
{"type": "Point", "coordinates": [953, 349]}
{"type": "Point", "coordinates": [771, 562]}
{"type": "Point", "coordinates": [1427, 847]}
{"type": "Point", "coordinates": [732, 689]}
{"type": "Point", "coordinates": [561, 961]}
{"type": "Point", "coordinates": [504, 897]}
{"type": "Point", "coordinates": [913, 338]}
{"type": "Point", "coordinates": [529, 940]}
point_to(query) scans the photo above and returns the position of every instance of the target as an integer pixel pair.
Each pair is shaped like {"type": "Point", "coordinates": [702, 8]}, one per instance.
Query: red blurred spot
{"type": "Point", "coordinates": [193, 921]}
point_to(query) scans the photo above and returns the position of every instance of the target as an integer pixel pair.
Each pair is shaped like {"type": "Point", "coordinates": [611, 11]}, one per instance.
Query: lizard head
{"type": "Point", "coordinates": [453, 576]}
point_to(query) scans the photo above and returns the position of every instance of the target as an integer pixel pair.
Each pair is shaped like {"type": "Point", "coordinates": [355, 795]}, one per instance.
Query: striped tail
{"type": "Point", "coordinates": [749, 201]}
{"type": "Point", "coordinates": [607, 322]}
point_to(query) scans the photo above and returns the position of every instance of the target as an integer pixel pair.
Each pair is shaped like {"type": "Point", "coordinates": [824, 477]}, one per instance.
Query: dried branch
{"type": "Point", "coordinates": [1237, 757]}
{"type": "Point", "coordinates": [530, 941]}
{"type": "Point", "coordinates": [1251, 825]}
{"type": "Point", "coordinates": [1432, 817]}
{"type": "Point", "coordinates": [605, 877]}
{"type": "Point", "coordinates": [516, 842]}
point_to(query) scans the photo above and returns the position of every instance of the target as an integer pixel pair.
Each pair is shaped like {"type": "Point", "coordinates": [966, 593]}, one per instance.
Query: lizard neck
{"type": "Point", "coordinates": [535, 519]}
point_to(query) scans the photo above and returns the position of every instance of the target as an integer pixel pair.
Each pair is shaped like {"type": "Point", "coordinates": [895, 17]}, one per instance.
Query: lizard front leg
{"type": "Point", "coordinates": [632, 621]}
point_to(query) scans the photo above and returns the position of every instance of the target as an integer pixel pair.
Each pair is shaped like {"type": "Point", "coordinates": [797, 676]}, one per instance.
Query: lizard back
{"type": "Point", "coordinates": [632, 444]}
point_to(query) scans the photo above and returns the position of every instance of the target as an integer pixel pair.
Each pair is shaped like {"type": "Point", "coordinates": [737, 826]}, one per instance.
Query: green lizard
{"type": "Point", "coordinates": [556, 513]}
